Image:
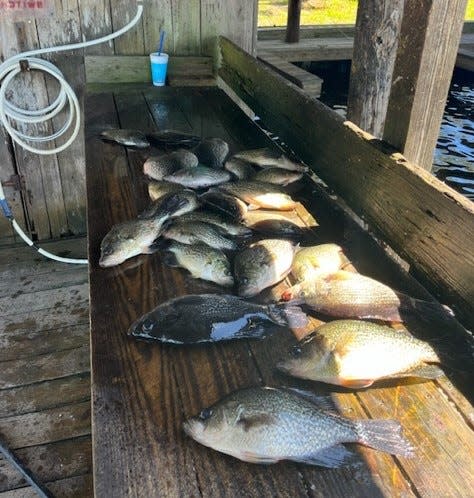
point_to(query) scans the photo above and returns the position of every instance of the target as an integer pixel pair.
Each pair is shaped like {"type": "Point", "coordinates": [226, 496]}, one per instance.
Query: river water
{"type": "Point", "coordinates": [454, 156]}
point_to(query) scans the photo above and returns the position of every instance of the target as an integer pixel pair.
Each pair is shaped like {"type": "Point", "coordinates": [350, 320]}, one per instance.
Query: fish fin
{"type": "Point", "coordinates": [248, 456]}
{"type": "Point", "coordinates": [423, 371]}
{"type": "Point", "coordinates": [289, 315]}
{"type": "Point", "coordinates": [356, 383]}
{"type": "Point", "coordinates": [256, 419]}
{"type": "Point", "coordinates": [322, 402]}
{"type": "Point", "coordinates": [333, 457]}
{"type": "Point", "coordinates": [157, 245]}
{"type": "Point", "coordinates": [383, 435]}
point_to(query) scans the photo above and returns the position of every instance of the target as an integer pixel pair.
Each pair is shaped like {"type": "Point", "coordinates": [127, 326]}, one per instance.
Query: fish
{"type": "Point", "coordinates": [158, 167]}
{"type": "Point", "coordinates": [265, 425]}
{"type": "Point", "coordinates": [355, 354]}
{"type": "Point", "coordinates": [239, 168]}
{"type": "Point", "coordinates": [173, 138]}
{"type": "Point", "coordinates": [200, 318]}
{"type": "Point", "coordinates": [345, 294]}
{"type": "Point", "coordinates": [262, 264]}
{"type": "Point", "coordinates": [197, 231]}
{"type": "Point", "coordinates": [259, 195]}
{"type": "Point", "coordinates": [278, 228]}
{"type": "Point", "coordinates": [231, 228]}
{"type": "Point", "coordinates": [201, 261]}
{"type": "Point", "coordinates": [188, 201]}
{"type": "Point", "coordinates": [198, 177]}
{"type": "Point", "coordinates": [277, 176]}
{"type": "Point", "coordinates": [157, 189]}
{"type": "Point", "coordinates": [224, 204]}
{"type": "Point", "coordinates": [266, 157]}
{"type": "Point", "coordinates": [316, 260]}
{"type": "Point", "coordinates": [212, 152]}
{"type": "Point", "coordinates": [129, 138]}
{"type": "Point", "coordinates": [133, 237]}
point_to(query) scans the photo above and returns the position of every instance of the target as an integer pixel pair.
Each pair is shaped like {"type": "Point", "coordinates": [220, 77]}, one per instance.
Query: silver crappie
{"type": "Point", "coordinates": [198, 177]}
{"type": "Point", "coordinates": [129, 138]}
{"type": "Point", "coordinates": [194, 319]}
{"type": "Point", "coordinates": [158, 167]}
{"type": "Point", "coordinates": [239, 168]}
{"type": "Point", "coordinates": [218, 220]}
{"type": "Point", "coordinates": [193, 232]}
{"type": "Point", "coordinates": [354, 353]}
{"type": "Point", "coordinates": [266, 425]}
{"type": "Point", "coordinates": [266, 157]}
{"type": "Point", "coordinates": [212, 152]}
{"type": "Point", "coordinates": [202, 261]}
{"type": "Point", "coordinates": [262, 264]}
{"type": "Point", "coordinates": [157, 189]}
{"type": "Point", "coordinates": [186, 201]}
{"type": "Point", "coordinates": [277, 176]}
{"type": "Point", "coordinates": [135, 237]}
{"type": "Point", "coordinates": [259, 195]}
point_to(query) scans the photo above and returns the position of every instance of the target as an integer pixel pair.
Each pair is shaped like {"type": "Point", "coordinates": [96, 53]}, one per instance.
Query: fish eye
{"type": "Point", "coordinates": [296, 351]}
{"type": "Point", "coordinates": [205, 414]}
{"type": "Point", "coordinates": [147, 326]}
{"type": "Point", "coordinates": [244, 281]}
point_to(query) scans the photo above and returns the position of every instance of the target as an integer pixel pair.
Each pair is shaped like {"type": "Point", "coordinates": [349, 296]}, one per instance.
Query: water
{"type": "Point", "coordinates": [454, 156]}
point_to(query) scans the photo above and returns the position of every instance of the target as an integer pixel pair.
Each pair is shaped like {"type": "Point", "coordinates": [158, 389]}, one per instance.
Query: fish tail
{"type": "Point", "coordinates": [289, 315]}
{"type": "Point", "coordinates": [425, 309]}
{"type": "Point", "coordinates": [383, 435]}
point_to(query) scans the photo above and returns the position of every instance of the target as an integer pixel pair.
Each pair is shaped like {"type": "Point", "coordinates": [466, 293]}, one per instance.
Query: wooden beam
{"type": "Point", "coordinates": [375, 45]}
{"type": "Point", "coordinates": [293, 22]}
{"type": "Point", "coordinates": [429, 41]}
{"type": "Point", "coordinates": [426, 222]}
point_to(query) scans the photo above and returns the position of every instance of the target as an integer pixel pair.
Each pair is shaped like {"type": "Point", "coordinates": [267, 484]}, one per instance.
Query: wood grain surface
{"type": "Point", "coordinates": [143, 392]}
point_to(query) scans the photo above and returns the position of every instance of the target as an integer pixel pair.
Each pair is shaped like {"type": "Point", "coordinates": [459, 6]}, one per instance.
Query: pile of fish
{"type": "Point", "coordinates": [209, 214]}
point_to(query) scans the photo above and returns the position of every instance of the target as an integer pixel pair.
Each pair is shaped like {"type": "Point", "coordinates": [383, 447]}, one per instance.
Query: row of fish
{"type": "Point", "coordinates": [207, 233]}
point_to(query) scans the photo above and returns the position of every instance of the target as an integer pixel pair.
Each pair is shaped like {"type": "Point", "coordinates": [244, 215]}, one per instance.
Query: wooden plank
{"type": "Point", "coordinates": [310, 83]}
{"type": "Point", "coordinates": [96, 22]}
{"type": "Point", "coordinates": [56, 298]}
{"type": "Point", "coordinates": [16, 345]}
{"type": "Point", "coordinates": [157, 18]}
{"type": "Point", "coordinates": [78, 486]}
{"type": "Point", "coordinates": [136, 69]}
{"type": "Point", "coordinates": [429, 41]}
{"type": "Point", "coordinates": [132, 42]}
{"type": "Point", "coordinates": [316, 31]}
{"type": "Point", "coordinates": [373, 63]}
{"type": "Point", "coordinates": [317, 49]}
{"type": "Point", "coordinates": [465, 59]}
{"type": "Point", "coordinates": [186, 20]}
{"type": "Point", "coordinates": [49, 462]}
{"type": "Point", "coordinates": [218, 17]}
{"type": "Point", "coordinates": [54, 424]}
{"type": "Point", "coordinates": [46, 366]}
{"type": "Point", "coordinates": [293, 21]}
{"type": "Point", "coordinates": [433, 229]}
{"type": "Point", "coordinates": [45, 395]}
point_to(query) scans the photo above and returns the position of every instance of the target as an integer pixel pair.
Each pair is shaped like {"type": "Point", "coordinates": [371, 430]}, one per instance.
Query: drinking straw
{"type": "Point", "coordinates": [162, 39]}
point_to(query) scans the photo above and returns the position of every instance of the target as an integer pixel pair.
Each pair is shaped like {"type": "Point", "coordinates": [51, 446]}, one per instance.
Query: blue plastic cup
{"type": "Point", "coordinates": [159, 65]}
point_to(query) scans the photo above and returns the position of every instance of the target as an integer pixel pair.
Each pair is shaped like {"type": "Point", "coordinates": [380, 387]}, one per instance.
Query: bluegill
{"type": "Point", "coordinates": [278, 176]}
{"type": "Point", "coordinates": [239, 168]}
{"type": "Point", "coordinates": [158, 167]}
{"type": "Point", "coordinates": [198, 177]}
{"type": "Point", "coordinates": [193, 232]}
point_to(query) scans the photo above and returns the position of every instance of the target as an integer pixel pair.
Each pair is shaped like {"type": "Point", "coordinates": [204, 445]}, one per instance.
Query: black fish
{"type": "Point", "coordinates": [212, 317]}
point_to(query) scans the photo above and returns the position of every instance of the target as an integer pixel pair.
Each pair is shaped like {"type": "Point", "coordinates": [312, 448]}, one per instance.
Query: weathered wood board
{"type": "Point", "coordinates": [142, 392]}
{"type": "Point", "coordinates": [425, 221]}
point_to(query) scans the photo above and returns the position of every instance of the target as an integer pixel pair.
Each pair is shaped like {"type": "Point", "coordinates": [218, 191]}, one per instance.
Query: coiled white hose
{"type": "Point", "coordinates": [10, 113]}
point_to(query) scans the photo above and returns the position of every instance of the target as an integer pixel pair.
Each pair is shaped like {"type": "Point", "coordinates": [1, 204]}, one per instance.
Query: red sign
{"type": "Point", "coordinates": [22, 9]}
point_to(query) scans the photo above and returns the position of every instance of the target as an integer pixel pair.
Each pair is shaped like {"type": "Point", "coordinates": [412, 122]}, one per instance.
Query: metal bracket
{"type": "Point", "coordinates": [15, 181]}
{"type": "Point", "coordinates": [24, 65]}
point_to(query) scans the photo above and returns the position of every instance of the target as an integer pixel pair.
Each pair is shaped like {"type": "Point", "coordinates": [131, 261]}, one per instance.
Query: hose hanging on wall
{"type": "Point", "coordinates": [10, 113]}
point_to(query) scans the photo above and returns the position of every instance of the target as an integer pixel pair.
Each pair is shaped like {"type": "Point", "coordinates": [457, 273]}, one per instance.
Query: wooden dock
{"type": "Point", "coordinates": [142, 392]}
{"type": "Point", "coordinates": [44, 370]}
{"type": "Point", "coordinates": [332, 43]}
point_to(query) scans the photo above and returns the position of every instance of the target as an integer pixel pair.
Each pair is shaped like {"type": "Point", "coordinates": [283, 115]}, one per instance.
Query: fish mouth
{"type": "Point", "coordinates": [194, 428]}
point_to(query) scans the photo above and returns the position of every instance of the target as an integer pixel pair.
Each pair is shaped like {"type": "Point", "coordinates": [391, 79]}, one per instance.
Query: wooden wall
{"type": "Point", "coordinates": [52, 203]}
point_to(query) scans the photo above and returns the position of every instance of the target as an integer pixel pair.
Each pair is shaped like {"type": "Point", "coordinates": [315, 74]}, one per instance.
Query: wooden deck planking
{"type": "Point", "coordinates": [45, 371]}
{"type": "Point", "coordinates": [169, 384]}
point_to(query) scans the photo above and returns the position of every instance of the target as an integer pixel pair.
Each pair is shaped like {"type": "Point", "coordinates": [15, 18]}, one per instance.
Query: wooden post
{"type": "Point", "coordinates": [375, 49]}
{"type": "Point", "coordinates": [429, 39]}
{"type": "Point", "coordinates": [293, 22]}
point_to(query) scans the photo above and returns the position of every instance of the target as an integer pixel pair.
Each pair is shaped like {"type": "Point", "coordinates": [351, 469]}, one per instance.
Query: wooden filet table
{"type": "Point", "coordinates": [143, 392]}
